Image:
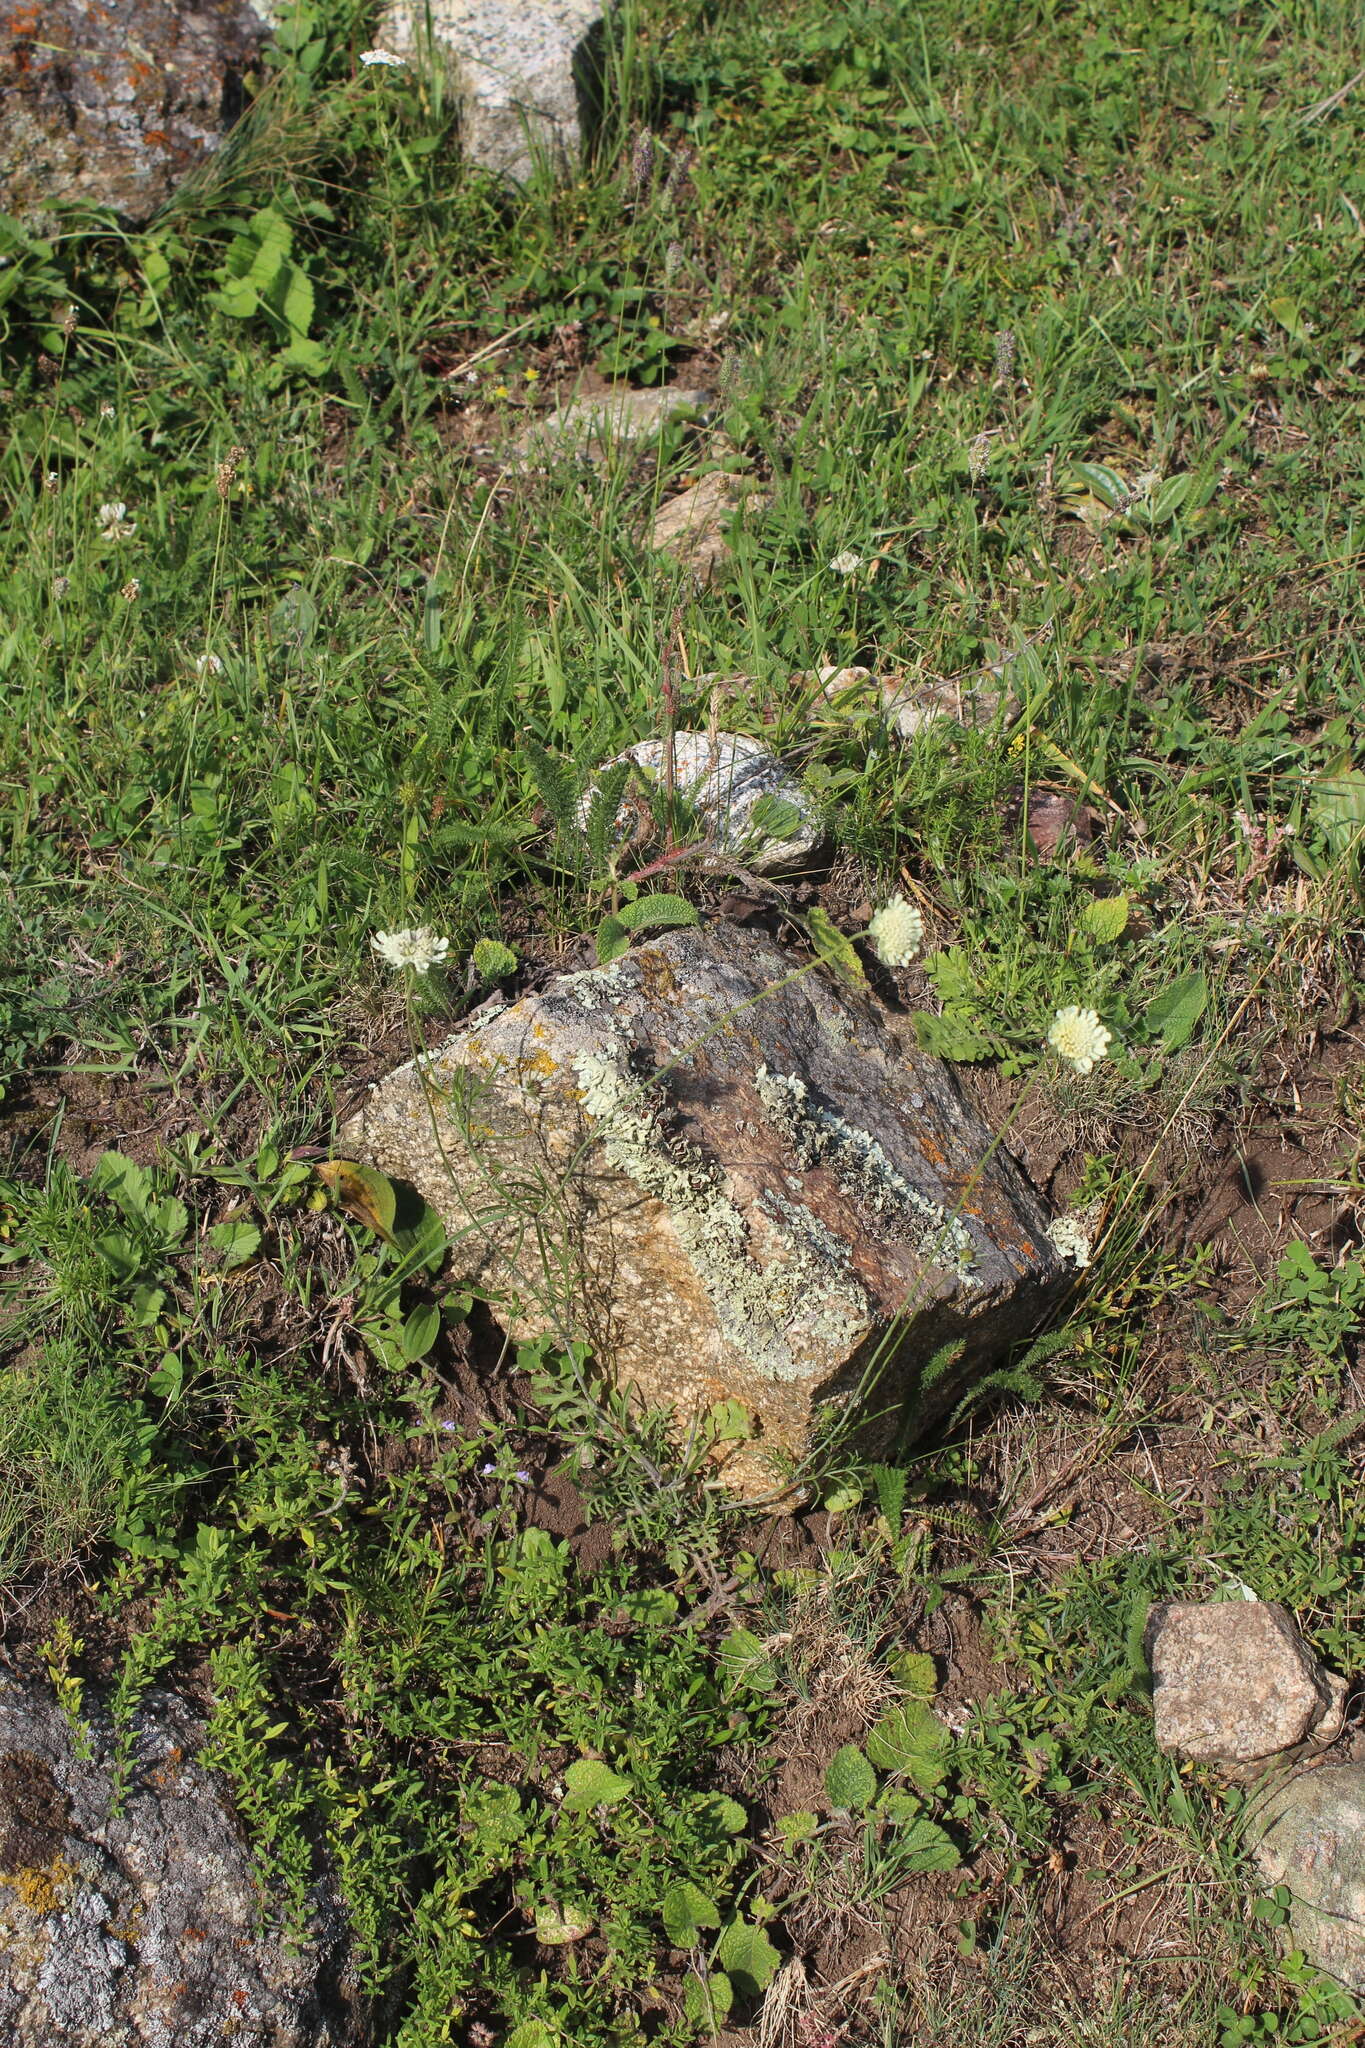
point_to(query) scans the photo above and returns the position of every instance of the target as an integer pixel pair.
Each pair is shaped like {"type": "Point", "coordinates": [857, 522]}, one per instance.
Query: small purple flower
{"type": "Point", "coordinates": [487, 1471]}
{"type": "Point", "coordinates": [524, 1477]}
{"type": "Point", "coordinates": [451, 1426]}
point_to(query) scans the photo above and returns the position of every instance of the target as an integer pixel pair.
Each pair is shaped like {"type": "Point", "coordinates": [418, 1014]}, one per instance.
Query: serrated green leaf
{"type": "Point", "coordinates": [588, 1783]}
{"type": "Point", "coordinates": [492, 960]}
{"type": "Point", "coordinates": [717, 1817]}
{"type": "Point", "coordinates": [296, 302]}
{"type": "Point", "coordinates": [169, 1218]}
{"type": "Point", "coordinates": [850, 1781]}
{"type": "Point", "coordinates": [652, 1606]}
{"type": "Point", "coordinates": [119, 1253]}
{"type": "Point", "coordinates": [707, 2001]}
{"type": "Point", "coordinates": [729, 1422]}
{"type": "Point", "coordinates": [891, 1482]}
{"type": "Point", "coordinates": [1173, 1016]}
{"type": "Point", "coordinates": [648, 913]}
{"type": "Point", "coordinates": [533, 2034]}
{"type": "Point", "coordinates": [748, 1957]}
{"type": "Point", "coordinates": [128, 1185]}
{"type": "Point", "coordinates": [910, 1740]}
{"type": "Point", "coordinates": [951, 1036]}
{"type": "Point", "coordinates": [612, 941]}
{"type": "Point", "coordinates": [920, 1844]}
{"type": "Point", "coordinates": [916, 1672]}
{"type": "Point", "coordinates": [834, 948]}
{"type": "Point", "coordinates": [309, 356]}
{"type": "Point", "coordinates": [237, 1240]}
{"type": "Point", "coordinates": [1105, 918]}
{"type": "Point", "coordinates": [686, 1912]}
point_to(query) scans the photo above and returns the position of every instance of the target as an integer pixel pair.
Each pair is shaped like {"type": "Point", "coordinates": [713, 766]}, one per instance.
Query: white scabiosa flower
{"type": "Point", "coordinates": [846, 563]}
{"type": "Point", "coordinates": [369, 58]}
{"type": "Point", "coordinates": [896, 932]}
{"type": "Point", "coordinates": [1078, 1036]}
{"type": "Point", "coordinates": [419, 949]}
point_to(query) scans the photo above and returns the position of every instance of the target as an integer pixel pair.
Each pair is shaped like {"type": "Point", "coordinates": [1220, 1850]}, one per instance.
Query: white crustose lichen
{"type": "Point", "coordinates": [808, 1279]}
{"type": "Point", "coordinates": [819, 1137]}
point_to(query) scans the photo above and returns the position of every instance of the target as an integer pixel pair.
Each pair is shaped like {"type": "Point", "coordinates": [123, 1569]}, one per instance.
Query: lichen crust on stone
{"type": "Point", "coordinates": [806, 1284]}
{"type": "Point", "coordinates": [819, 1137]}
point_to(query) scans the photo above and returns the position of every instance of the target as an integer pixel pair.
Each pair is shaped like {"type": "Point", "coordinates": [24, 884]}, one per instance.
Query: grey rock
{"type": "Point", "coordinates": [522, 69]}
{"type": "Point", "coordinates": [732, 1179]}
{"type": "Point", "coordinates": [595, 426]}
{"type": "Point", "coordinates": [143, 1928]}
{"type": "Point", "coordinates": [1235, 1682]}
{"type": "Point", "coordinates": [723, 779]}
{"type": "Point", "coordinates": [1309, 1835]}
{"type": "Point", "coordinates": [116, 105]}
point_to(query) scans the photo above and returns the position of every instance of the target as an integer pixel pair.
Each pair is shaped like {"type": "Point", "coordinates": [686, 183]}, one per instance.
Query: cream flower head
{"type": "Point", "coordinates": [1079, 1036]}
{"type": "Point", "coordinates": [114, 524]}
{"type": "Point", "coordinates": [896, 932]}
{"type": "Point", "coordinates": [846, 562]}
{"type": "Point", "coordinates": [369, 58]}
{"type": "Point", "coordinates": [419, 949]}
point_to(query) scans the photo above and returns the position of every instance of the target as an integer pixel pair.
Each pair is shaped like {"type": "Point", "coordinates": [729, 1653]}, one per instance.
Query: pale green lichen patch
{"type": "Point", "coordinates": [818, 1137]}
{"type": "Point", "coordinates": [806, 1287]}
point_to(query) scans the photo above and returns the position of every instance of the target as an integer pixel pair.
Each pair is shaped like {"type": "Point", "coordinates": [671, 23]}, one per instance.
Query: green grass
{"type": "Point", "coordinates": [1052, 316]}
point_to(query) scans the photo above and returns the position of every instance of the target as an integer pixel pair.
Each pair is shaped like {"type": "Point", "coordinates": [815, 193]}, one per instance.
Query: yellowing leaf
{"type": "Point", "coordinates": [366, 1196]}
{"type": "Point", "coordinates": [834, 948]}
{"type": "Point", "coordinates": [1105, 919]}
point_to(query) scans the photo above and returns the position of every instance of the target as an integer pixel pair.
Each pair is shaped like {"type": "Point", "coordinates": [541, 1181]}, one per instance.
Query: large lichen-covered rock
{"type": "Point", "coordinates": [524, 70]}
{"type": "Point", "coordinates": [732, 1179]}
{"type": "Point", "coordinates": [140, 1926]}
{"type": "Point", "coordinates": [114, 106]}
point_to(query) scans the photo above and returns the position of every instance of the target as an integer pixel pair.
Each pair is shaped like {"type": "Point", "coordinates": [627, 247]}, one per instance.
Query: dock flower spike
{"type": "Point", "coordinates": [1078, 1035]}
{"type": "Point", "coordinates": [896, 932]}
{"type": "Point", "coordinates": [419, 949]}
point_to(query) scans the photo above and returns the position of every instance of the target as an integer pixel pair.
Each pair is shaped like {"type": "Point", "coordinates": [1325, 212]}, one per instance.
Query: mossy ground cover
{"type": "Point", "coordinates": [1048, 320]}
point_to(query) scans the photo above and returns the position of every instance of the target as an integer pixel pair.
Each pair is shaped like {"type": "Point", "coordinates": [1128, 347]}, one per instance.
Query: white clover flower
{"type": "Point", "coordinates": [846, 563]}
{"type": "Point", "coordinates": [369, 58]}
{"type": "Point", "coordinates": [419, 949]}
{"type": "Point", "coordinates": [896, 932]}
{"type": "Point", "coordinates": [1070, 1240]}
{"type": "Point", "coordinates": [208, 665]}
{"type": "Point", "coordinates": [114, 524]}
{"type": "Point", "coordinates": [1079, 1036]}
